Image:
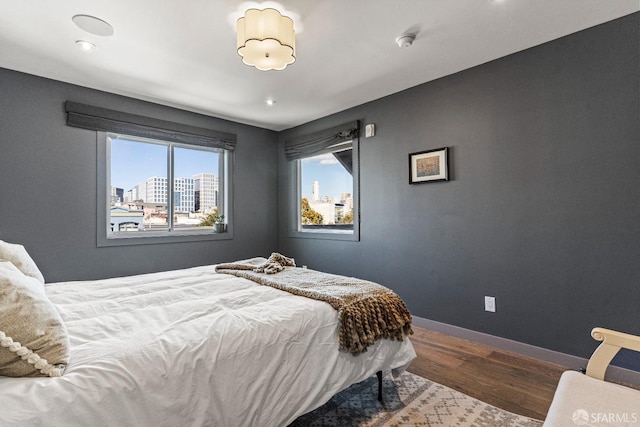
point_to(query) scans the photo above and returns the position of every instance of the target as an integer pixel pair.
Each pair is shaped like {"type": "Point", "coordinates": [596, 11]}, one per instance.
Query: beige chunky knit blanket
{"type": "Point", "coordinates": [367, 311]}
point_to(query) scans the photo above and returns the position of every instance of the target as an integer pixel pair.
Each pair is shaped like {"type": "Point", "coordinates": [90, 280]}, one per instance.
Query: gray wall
{"type": "Point", "coordinates": [48, 185]}
{"type": "Point", "coordinates": [543, 207]}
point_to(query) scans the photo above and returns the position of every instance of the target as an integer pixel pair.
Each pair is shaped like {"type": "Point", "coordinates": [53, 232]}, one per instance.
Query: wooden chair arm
{"type": "Point", "coordinates": [612, 342]}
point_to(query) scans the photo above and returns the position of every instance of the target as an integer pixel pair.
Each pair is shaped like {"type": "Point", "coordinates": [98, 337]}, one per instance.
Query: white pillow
{"type": "Point", "coordinates": [18, 256]}
{"type": "Point", "coordinates": [33, 337]}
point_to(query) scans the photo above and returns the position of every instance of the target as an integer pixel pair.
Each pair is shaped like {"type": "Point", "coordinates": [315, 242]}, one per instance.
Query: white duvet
{"type": "Point", "coordinates": [191, 348]}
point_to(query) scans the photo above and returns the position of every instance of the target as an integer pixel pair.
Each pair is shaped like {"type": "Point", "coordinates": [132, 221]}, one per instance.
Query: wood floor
{"type": "Point", "coordinates": [507, 380]}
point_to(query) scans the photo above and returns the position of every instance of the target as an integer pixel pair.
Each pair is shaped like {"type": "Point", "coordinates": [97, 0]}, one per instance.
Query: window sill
{"type": "Point", "coordinates": [153, 238]}
{"type": "Point", "coordinates": [325, 234]}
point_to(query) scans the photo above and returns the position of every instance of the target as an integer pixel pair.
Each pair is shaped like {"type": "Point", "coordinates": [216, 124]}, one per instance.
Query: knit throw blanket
{"type": "Point", "coordinates": [367, 311]}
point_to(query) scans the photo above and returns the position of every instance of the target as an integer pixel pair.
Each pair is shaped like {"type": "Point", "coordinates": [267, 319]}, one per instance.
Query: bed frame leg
{"type": "Point", "coordinates": [379, 375]}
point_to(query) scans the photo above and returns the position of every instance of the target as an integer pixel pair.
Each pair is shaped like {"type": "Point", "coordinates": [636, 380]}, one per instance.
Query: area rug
{"type": "Point", "coordinates": [409, 400]}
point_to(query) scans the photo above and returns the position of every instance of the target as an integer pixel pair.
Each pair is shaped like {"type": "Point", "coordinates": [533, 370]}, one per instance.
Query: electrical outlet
{"type": "Point", "coordinates": [490, 304]}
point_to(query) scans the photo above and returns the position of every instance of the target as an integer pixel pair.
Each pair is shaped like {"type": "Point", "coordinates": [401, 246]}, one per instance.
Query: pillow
{"type": "Point", "coordinates": [18, 255]}
{"type": "Point", "coordinates": [33, 337]}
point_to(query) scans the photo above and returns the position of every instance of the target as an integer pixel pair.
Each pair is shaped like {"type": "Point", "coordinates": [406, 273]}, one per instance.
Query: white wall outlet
{"type": "Point", "coordinates": [490, 304]}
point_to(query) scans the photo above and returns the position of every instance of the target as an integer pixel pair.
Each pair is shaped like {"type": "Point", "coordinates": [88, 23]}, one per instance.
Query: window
{"type": "Point", "coordinates": [158, 181]}
{"type": "Point", "coordinates": [140, 172]}
{"type": "Point", "coordinates": [326, 189]}
{"type": "Point", "coordinates": [324, 171]}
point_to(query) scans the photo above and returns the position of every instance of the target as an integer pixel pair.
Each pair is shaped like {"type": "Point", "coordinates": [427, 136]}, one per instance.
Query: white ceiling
{"type": "Point", "coordinates": [182, 53]}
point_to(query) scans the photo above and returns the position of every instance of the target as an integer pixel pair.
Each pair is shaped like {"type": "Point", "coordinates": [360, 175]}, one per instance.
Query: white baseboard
{"type": "Point", "coordinates": [614, 373]}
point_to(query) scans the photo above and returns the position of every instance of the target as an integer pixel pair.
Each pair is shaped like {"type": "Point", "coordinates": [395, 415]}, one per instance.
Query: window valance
{"type": "Point", "coordinates": [322, 141]}
{"type": "Point", "coordinates": [105, 120]}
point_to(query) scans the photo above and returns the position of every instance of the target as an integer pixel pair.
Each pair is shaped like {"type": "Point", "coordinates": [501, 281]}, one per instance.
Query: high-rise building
{"type": "Point", "coordinates": [206, 192]}
{"type": "Point", "coordinates": [117, 195]}
{"type": "Point", "coordinates": [153, 190]}
{"type": "Point", "coordinates": [183, 197]}
{"type": "Point", "coordinates": [316, 191]}
{"type": "Point", "coordinates": [131, 195]}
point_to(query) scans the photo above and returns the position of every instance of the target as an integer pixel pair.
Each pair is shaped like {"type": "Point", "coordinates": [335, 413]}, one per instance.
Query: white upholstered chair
{"type": "Point", "coordinates": [589, 400]}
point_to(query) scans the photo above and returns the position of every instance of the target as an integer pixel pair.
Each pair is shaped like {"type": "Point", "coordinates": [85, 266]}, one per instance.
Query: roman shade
{"type": "Point", "coordinates": [321, 142]}
{"type": "Point", "coordinates": [105, 120]}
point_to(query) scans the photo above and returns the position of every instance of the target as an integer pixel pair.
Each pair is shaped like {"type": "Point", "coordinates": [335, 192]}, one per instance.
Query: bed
{"type": "Point", "coordinates": [191, 347]}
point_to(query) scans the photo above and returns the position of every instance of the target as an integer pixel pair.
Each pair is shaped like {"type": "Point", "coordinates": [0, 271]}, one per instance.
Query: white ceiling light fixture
{"type": "Point", "coordinates": [266, 39]}
{"type": "Point", "coordinates": [85, 45]}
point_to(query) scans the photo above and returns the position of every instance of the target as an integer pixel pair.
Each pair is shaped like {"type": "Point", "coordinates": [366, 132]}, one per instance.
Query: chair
{"type": "Point", "coordinates": [590, 400]}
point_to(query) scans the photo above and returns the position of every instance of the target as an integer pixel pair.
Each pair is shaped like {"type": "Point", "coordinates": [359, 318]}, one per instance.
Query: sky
{"type": "Point", "coordinates": [134, 162]}
{"type": "Point", "coordinates": [332, 176]}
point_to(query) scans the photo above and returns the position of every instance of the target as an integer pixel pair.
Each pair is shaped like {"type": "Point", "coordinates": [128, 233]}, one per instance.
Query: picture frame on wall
{"type": "Point", "coordinates": [429, 166]}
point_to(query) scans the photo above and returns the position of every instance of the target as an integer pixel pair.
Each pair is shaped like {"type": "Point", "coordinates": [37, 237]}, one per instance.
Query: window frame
{"type": "Point", "coordinates": [295, 213]}
{"type": "Point", "coordinates": [105, 238]}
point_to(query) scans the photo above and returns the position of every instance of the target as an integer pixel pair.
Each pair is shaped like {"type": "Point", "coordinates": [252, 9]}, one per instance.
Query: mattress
{"type": "Point", "coordinates": [191, 348]}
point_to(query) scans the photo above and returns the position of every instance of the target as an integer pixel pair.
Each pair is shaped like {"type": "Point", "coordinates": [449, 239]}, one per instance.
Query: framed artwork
{"type": "Point", "coordinates": [429, 166]}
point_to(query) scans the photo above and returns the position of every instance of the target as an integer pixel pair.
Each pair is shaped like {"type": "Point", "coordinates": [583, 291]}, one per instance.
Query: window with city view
{"type": "Point", "coordinates": [326, 188]}
{"type": "Point", "coordinates": [157, 186]}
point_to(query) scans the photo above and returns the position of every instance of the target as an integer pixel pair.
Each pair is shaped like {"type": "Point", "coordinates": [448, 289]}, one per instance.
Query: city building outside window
{"type": "Point", "coordinates": [160, 188]}
{"type": "Point", "coordinates": [326, 201]}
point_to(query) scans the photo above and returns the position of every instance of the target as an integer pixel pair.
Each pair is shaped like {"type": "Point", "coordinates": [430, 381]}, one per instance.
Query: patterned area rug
{"type": "Point", "coordinates": [410, 400]}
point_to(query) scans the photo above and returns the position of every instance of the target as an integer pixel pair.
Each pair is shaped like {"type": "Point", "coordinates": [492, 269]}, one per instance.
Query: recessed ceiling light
{"type": "Point", "coordinates": [85, 45]}
{"type": "Point", "coordinates": [270, 102]}
{"type": "Point", "coordinates": [93, 25]}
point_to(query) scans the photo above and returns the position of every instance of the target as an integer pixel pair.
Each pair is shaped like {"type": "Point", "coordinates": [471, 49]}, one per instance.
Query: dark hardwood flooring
{"type": "Point", "coordinates": [516, 383]}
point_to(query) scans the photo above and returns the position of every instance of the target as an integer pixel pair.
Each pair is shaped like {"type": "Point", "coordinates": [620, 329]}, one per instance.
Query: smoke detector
{"type": "Point", "coordinates": [405, 40]}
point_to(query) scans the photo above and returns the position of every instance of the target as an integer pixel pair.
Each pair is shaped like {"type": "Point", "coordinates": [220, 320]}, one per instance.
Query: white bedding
{"type": "Point", "coordinates": [191, 348]}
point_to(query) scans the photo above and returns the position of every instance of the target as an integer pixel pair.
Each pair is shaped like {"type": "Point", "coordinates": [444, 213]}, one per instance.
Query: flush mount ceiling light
{"type": "Point", "coordinates": [266, 39]}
